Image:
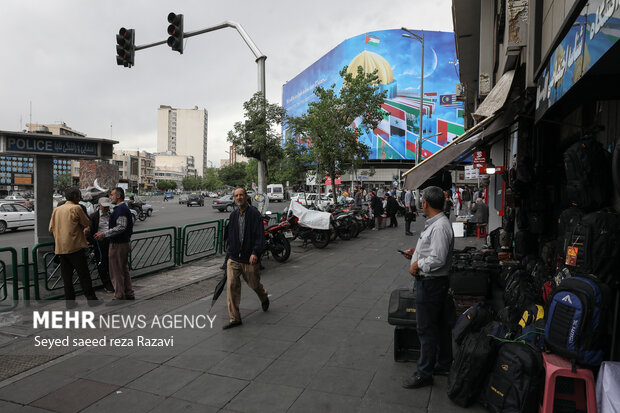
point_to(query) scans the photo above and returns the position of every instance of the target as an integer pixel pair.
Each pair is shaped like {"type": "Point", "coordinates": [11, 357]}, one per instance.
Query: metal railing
{"type": "Point", "coordinates": [153, 250]}
{"type": "Point", "coordinates": [201, 240]}
{"type": "Point", "coordinates": [11, 282]}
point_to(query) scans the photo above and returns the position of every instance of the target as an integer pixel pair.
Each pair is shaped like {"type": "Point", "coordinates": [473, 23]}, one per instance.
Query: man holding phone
{"type": "Point", "coordinates": [430, 265]}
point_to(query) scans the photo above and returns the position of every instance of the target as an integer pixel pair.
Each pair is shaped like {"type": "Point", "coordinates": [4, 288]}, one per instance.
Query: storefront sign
{"type": "Point", "coordinates": [479, 159]}
{"type": "Point", "coordinates": [49, 146]}
{"type": "Point", "coordinates": [590, 37]}
{"type": "Point", "coordinates": [22, 179]}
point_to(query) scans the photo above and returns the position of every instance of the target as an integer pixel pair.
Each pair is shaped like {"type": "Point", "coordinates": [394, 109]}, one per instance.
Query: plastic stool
{"type": "Point", "coordinates": [481, 230]}
{"type": "Point", "coordinates": [556, 366]}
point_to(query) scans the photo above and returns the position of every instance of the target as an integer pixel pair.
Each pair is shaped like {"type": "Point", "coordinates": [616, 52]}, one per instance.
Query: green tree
{"type": "Point", "coordinates": [172, 185]}
{"type": "Point", "coordinates": [211, 179]}
{"type": "Point", "coordinates": [234, 175]}
{"type": "Point", "coordinates": [257, 137]}
{"type": "Point", "coordinates": [63, 182]}
{"type": "Point", "coordinates": [328, 124]}
{"type": "Point", "coordinates": [191, 183]}
{"type": "Point", "coordinates": [162, 185]}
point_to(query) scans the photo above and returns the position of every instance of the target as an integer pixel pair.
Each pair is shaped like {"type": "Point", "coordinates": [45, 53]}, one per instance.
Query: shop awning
{"type": "Point", "coordinates": [496, 99]}
{"type": "Point", "coordinates": [417, 175]}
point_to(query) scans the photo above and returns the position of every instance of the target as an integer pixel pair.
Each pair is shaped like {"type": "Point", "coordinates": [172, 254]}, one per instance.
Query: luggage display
{"type": "Point", "coordinates": [515, 381]}
{"type": "Point", "coordinates": [463, 302]}
{"type": "Point", "coordinates": [471, 365]}
{"type": "Point", "coordinates": [471, 321]}
{"type": "Point", "coordinates": [525, 244]}
{"type": "Point", "coordinates": [406, 344]}
{"type": "Point", "coordinates": [471, 281]}
{"type": "Point", "coordinates": [588, 175]}
{"type": "Point", "coordinates": [401, 309]}
{"type": "Point", "coordinates": [576, 320]}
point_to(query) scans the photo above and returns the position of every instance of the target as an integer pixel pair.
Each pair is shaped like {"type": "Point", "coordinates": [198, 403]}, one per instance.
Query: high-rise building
{"type": "Point", "coordinates": [183, 132]}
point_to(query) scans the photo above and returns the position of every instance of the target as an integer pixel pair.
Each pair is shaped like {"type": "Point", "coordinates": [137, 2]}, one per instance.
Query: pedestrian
{"type": "Point", "coordinates": [430, 265]}
{"type": "Point", "coordinates": [410, 211]}
{"type": "Point", "coordinates": [466, 197]}
{"type": "Point", "coordinates": [456, 200]}
{"type": "Point", "coordinates": [480, 210]}
{"type": "Point", "coordinates": [358, 199]}
{"type": "Point", "coordinates": [99, 222]}
{"type": "Point", "coordinates": [376, 204]}
{"type": "Point", "coordinates": [391, 209]}
{"type": "Point", "coordinates": [447, 206]}
{"type": "Point", "coordinates": [120, 229]}
{"type": "Point", "coordinates": [69, 226]}
{"type": "Point", "coordinates": [246, 241]}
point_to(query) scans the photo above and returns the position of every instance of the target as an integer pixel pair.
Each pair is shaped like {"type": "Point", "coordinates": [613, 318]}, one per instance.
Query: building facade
{"type": "Point", "coordinates": [172, 167]}
{"type": "Point", "coordinates": [183, 132]}
{"type": "Point", "coordinates": [136, 168]}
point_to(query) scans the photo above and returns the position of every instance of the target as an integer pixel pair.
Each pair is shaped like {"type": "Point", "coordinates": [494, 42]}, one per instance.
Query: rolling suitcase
{"type": "Point", "coordinates": [401, 309]}
{"type": "Point", "coordinates": [406, 344]}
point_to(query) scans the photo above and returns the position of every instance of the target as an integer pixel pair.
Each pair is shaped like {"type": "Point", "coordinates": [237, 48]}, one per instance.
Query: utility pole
{"type": "Point", "coordinates": [418, 146]}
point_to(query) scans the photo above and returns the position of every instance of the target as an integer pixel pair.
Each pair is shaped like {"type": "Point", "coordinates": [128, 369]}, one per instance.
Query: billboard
{"type": "Point", "coordinates": [398, 60]}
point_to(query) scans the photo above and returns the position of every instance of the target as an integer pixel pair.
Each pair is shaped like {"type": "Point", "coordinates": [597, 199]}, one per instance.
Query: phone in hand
{"type": "Point", "coordinates": [404, 253]}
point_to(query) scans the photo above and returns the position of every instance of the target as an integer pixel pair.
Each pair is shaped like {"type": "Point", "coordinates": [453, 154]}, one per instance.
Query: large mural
{"type": "Point", "coordinates": [398, 61]}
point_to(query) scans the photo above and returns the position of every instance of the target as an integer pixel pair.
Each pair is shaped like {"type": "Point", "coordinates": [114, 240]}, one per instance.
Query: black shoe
{"type": "Point", "coordinates": [95, 303]}
{"type": "Point", "coordinates": [440, 371]}
{"type": "Point", "coordinates": [232, 325]}
{"type": "Point", "coordinates": [70, 304]}
{"type": "Point", "coordinates": [108, 288]}
{"type": "Point", "coordinates": [416, 381]}
{"type": "Point", "coordinates": [409, 233]}
{"type": "Point", "coordinates": [265, 305]}
{"type": "Point", "coordinates": [114, 302]}
{"type": "Point", "coordinates": [130, 297]}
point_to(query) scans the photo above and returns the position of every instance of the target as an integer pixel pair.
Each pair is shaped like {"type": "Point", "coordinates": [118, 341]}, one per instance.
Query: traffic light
{"type": "Point", "coordinates": [175, 30]}
{"type": "Point", "coordinates": [125, 47]}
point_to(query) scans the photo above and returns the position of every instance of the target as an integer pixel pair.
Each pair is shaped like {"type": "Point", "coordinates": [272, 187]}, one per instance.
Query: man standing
{"type": "Point", "coordinates": [246, 241]}
{"type": "Point", "coordinates": [430, 265]}
{"type": "Point", "coordinates": [410, 210]}
{"type": "Point", "coordinates": [376, 204]}
{"type": "Point", "coordinates": [466, 197]}
{"type": "Point", "coordinates": [358, 199]}
{"type": "Point", "coordinates": [99, 222]}
{"type": "Point", "coordinates": [119, 235]}
{"type": "Point", "coordinates": [391, 208]}
{"type": "Point", "coordinates": [69, 226]}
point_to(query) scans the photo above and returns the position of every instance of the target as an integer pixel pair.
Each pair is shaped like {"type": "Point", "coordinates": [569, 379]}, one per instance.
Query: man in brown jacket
{"type": "Point", "coordinates": [69, 225]}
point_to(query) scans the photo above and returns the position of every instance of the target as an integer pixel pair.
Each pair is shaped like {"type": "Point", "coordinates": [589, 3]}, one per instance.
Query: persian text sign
{"type": "Point", "coordinates": [48, 146]}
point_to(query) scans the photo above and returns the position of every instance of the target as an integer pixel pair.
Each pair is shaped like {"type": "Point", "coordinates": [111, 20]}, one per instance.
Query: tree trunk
{"type": "Point", "coordinates": [332, 174]}
{"type": "Point", "coordinates": [262, 185]}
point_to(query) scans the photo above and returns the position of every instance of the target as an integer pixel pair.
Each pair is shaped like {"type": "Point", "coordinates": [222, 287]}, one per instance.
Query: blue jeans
{"type": "Point", "coordinates": [430, 302]}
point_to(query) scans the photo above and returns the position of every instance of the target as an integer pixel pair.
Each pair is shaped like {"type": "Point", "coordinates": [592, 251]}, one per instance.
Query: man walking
{"type": "Point", "coordinates": [246, 241]}
{"type": "Point", "coordinates": [99, 222]}
{"type": "Point", "coordinates": [120, 229]}
{"type": "Point", "coordinates": [430, 265]}
{"type": "Point", "coordinates": [69, 226]}
{"type": "Point", "coordinates": [376, 204]}
{"type": "Point", "coordinates": [466, 198]}
{"type": "Point", "coordinates": [410, 211]}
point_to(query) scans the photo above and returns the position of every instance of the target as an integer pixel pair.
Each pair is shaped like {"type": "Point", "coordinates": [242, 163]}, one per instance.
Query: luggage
{"type": "Point", "coordinates": [525, 244]}
{"type": "Point", "coordinates": [406, 344]}
{"type": "Point", "coordinates": [588, 175]}
{"type": "Point", "coordinates": [470, 281]}
{"type": "Point", "coordinates": [515, 381]}
{"type": "Point", "coordinates": [401, 309]}
{"type": "Point", "coordinates": [462, 303]}
{"type": "Point", "coordinates": [576, 320]}
{"type": "Point", "coordinates": [472, 320]}
{"type": "Point", "coordinates": [471, 365]}
{"type": "Point", "coordinates": [519, 293]}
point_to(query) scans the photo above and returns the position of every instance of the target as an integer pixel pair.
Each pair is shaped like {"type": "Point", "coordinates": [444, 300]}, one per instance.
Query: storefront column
{"type": "Point", "coordinates": [43, 191]}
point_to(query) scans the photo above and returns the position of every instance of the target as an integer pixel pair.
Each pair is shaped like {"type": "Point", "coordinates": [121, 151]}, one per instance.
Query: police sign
{"type": "Point", "coordinates": [47, 146]}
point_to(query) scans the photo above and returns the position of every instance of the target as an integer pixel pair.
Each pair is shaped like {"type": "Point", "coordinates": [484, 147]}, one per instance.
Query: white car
{"type": "Point", "coordinates": [14, 216]}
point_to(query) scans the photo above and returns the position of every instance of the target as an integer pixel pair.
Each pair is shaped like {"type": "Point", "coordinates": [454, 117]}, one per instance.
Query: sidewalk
{"type": "Point", "coordinates": [324, 344]}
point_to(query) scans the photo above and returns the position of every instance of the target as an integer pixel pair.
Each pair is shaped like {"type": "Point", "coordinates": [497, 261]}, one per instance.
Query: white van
{"type": "Point", "coordinates": [275, 192]}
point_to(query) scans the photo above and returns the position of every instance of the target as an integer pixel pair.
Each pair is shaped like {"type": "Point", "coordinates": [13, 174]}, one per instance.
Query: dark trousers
{"type": "Point", "coordinates": [76, 261]}
{"type": "Point", "coordinates": [103, 262]}
{"type": "Point", "coordinates": [408, 221]}
{"type": "Point", "coordinates": [393, 222]}
{"type": "Point", "coordinates": [433, 330]}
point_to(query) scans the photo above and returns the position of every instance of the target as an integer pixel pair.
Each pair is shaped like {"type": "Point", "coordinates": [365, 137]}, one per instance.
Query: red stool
{"type": "Point", "coordinates": [481, 230]}
{"type": "Point", "coordinates": [556, 366]}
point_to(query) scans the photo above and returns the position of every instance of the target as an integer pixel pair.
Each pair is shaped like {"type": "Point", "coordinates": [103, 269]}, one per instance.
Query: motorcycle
{"type": "Point", "coordinates": [318, 237]}
{"type": "Point", "coordinates": [276, 241]}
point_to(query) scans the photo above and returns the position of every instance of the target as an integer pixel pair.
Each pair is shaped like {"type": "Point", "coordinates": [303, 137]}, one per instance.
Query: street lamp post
{"type": "Point", "coordinates": [418, 146]}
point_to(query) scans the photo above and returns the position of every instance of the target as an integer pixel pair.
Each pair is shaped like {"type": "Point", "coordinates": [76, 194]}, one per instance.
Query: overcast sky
{"type": "Point", "coordinates": [60, 55]}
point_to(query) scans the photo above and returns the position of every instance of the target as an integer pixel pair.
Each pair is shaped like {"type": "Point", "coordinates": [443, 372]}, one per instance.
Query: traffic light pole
{"type": "Point", "coordinates": [260, 61]}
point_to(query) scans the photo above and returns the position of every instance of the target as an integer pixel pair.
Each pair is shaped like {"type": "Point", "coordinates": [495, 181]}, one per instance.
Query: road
{"type": "Point", "coordinates": [165, 214]}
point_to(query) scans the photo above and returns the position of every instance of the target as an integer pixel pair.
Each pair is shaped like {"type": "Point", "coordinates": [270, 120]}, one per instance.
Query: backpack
{"type": "Point", "coordinates": [576, 320]}
{"type": "Point", "coordinates": [515, 381]}
{"type": "Point", "coordinates": [519, 293]}
{"type": "Point", "coordinates": [588, 175]}
{"type": "Point", "coordinates": [471, 365]}
{"type": "Point", "coordinates": [470, 321]}
{"type": "Point", "coordinates": [525, 244]}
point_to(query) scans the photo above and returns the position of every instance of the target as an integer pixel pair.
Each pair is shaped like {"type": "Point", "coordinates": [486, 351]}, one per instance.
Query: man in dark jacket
{"type": "Point", "coordinates": [246, 241]}
{"type": "Point", "coordinates": [377, 208]}
{"type": "Point", "coordinates": [480, 210]}
{"type": "Point", "coordinates": [391, 208]}
{"type": "Point", "coordinates": [99, 221]}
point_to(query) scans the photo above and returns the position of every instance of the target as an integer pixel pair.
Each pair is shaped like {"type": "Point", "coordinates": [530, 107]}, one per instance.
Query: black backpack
{"type": "Point", "coordinates": [515, 381]}
{"type": "Point", "coordinates": [472, 320]}
{"type": "Point", "coordinates": [588, 175]}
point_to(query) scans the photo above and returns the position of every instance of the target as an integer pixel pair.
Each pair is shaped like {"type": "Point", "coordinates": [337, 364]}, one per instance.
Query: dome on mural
{"type": "Point", "coordinates": [369, 62]}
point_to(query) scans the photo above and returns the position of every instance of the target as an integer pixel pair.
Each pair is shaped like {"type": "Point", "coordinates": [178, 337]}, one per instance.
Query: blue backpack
{"type": "Point", "coordinates": [576, 320]}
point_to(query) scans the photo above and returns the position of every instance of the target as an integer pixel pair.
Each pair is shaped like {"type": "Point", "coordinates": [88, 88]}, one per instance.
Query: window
{"type": "Point", "coordinates": [6, 208]}
{"type": "Point", "coordinates": [20, 208]}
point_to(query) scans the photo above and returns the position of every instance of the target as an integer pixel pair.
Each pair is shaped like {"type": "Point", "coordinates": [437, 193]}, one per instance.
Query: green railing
{"type": "Point", "coordinates": [11, 283]}
{"type": "Point", "coordinates": [201, 240]}
{"type": "Point", "coordinates": [154, 251]}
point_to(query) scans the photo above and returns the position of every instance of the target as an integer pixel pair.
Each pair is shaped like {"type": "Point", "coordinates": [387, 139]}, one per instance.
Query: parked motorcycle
{"type": "Point", "coordinates": [318, 237]}
{"type": "Point", "coordinates": [276, 242]}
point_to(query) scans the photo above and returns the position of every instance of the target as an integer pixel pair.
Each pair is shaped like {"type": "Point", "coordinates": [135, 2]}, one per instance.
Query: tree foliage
{"type": "Point", "coordinates": [63, 182]}
{"type": "Point", "coordinates": [211, 180]}
{"type": "Point", "coordinates": [234, 175]}
{"type": "Point", "coordinates": [165, 185]}
{"type": "Point", "coordinates": [329, 125]}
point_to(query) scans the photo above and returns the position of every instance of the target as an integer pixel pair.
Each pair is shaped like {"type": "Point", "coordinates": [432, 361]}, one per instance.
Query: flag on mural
{"type": "Point", "coordinates": [448, 130]}
{"type": "Point", "coordinates": [372, 40]}
{"type": "Point", "coordinates": [460, 113]}
{"type": "Point", "coordinates": [448, 100]}
{"type": "Point", "coordinates": [397, 125]}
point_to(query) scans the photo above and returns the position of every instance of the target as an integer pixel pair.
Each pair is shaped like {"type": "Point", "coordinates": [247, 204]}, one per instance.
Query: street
{"type": "Point", "coordinates": [169, 213]}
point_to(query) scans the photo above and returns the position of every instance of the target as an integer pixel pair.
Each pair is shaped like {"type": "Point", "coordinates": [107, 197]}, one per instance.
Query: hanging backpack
{"type": "Point", "coordinates": [519, 292]}
{"type": "Point", "coordinates": [576, 320]}
{"type": "Point", "coordinates": [588, 175]}
{"type": "Point", "coordinates": [515, 381]}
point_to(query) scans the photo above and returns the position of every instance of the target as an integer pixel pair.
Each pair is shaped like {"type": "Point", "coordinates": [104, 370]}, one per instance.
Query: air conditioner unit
{"type": "Point", "coordinates": [460, 91]}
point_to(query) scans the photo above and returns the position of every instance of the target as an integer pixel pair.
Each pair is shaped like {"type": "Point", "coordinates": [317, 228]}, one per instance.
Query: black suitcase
{"type": "Point", "coordinates": [470, 282]}
{"type": "Point", "coordinates": [401, 310]}
{"type": "Point", "coordinates": [406, 344]}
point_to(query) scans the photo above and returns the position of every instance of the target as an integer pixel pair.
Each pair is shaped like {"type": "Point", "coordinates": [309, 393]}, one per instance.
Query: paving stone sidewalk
{"type": "Point", "coordinates": [324, 345]}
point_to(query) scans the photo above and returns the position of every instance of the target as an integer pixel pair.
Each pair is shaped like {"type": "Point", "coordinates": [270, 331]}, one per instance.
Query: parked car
{"type": "Point", "coordinates": [183, 199]}
{"type": "Point", "coordinates": [14, 216]}
{"type": "Point", "coordinates": [195, 199]}
{"type": "Point", "coordinates": [169, 195]}
{"type": "Point", "coordinates": [225, 203]}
